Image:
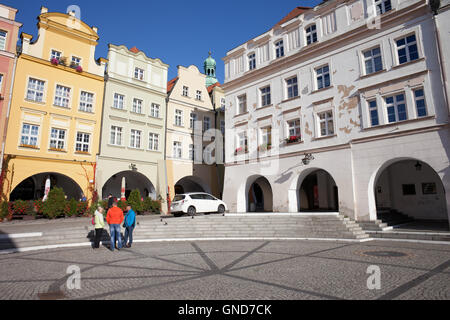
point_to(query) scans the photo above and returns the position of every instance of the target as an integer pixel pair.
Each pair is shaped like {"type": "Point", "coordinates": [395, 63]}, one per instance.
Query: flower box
{"type": "Point", "coordinates": [29, 146]}
{"type": "Point", "coordinates": [240, 150]}
{"type": "Point", "coordinates": [293, 139]}
{"type": "Point", "coordinates": [57, 150]}
{"type": "Point", "coordinates": [79, 69]}
{"type": "Point", "coordinates": [54, 61]}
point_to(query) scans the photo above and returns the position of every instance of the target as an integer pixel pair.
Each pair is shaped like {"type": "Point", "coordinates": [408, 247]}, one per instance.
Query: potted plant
{"type": "Point", "coordinates": [54, 61]}
{"type": "Point", "coordinates": [293, 139]}
{"type": "Point", "coordinates": [79, 68]}
{"type": "Point", "coordinates": [241, 150]}
{"type": "Point", "coordinates": [63, 61]}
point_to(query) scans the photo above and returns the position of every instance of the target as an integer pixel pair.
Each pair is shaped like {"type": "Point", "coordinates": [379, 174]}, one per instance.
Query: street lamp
{"type": "Point", "coordinates": [307, 159]}
{"type": "Point", "coordinates": [418, 166]}
{"type": "Point", "coordinates": [133, 167]}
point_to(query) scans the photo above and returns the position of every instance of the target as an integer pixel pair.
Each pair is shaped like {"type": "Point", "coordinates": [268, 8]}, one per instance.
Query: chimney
{"type": "Point", "coordinates": [44, 10]}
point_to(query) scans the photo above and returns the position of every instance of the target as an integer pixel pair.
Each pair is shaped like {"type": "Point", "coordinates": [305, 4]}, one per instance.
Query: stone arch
{"type": "Point", "coordinates": [133, 180]}
{"type": "Point", "coordinates": [410, 186]}
{"type": "Point", "coordinates": [191, 184]}
{"type": "Point", "coordinates": [258, 194]}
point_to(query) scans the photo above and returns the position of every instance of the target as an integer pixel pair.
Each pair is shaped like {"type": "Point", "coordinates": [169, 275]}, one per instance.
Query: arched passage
{"type": "Point", "coordinates": [33, 188]}
{"type": "Point", "coordinates": [133, 180]}
{"type": "Point", "coordinates": [191, 184]}
{"type": "Point", "coordinates": [317, 192]}
{"type": "Point", "coordinates": [407, 189]}
{"type": "Point", "coordinates": [259, 195]}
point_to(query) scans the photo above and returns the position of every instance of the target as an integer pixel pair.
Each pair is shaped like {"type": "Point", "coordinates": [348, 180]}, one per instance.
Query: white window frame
{"type": "Point", "coordinates": [223, 103]}
{"type": "Point", "coordinates": [135, 139]}
{"type": "Point", "coordinates": [242, 104]}
{"type": "Point", "coordinates": [198, 95]}
{"type": "Point", "coordinates": [55, 54]}
{"type": "Point", "coordinates": [309, 35]}
{"type": "Point", "coordinates": [39, 87]}
{"type": "Point", "coordinates": [64, 96]}
{"type": "Point", "coordinates": [177, 149]}
{"type": "Point", "coordinates": [293, 86]}
{"type": "Point", "coordinates": [119, 103]}
{"type": "Point", "coordinates": [75, 60]}
{"type": "Point", "coordinates": [1, 82]}
{"type": "Point", "coordinates": [139, 73]}
{"type": "Point", "coordinates": [57, 140]}
{"type": "Point", "coordinates": [373, 108]}
{"type": "Point", "coordinates": [279, 48]}
{"type": "Point", "coordinates": [29, 135]}
{"type": "Point", "coordinates": [264, 101]}
{"type": "Point", "coordinates": [416, 99]}
{"type": "Point", "coordinates": [153, 141]}
{"type": "Point", "coordinates": [178, 118]}
{"type": "Point", "coordinates": [137, 105]}
{"type": "Point", "coordinates": [380, 6]}
{"type": "Point", "coordinates": [372, 59]}
{"type": "Point", "coordinates": [297, 129]}
{"type": "Point", "coordinates": [222, 127]}
{"type": "Point", "coordinates": [265, 135]}
{"type": "Point", "coordinates": [86, 101]}
{"type": "Point", "coordinates": [82, 144]}
{"type": "Point", "coordinates": [395, 105]}
{"type": "Point", "coordinates": [192, 120]}
{"type": "Point", "coordinates": [185, 91]}
{"type": "Point", "coordinates": [3, 39]}
{"type": "Point", "coordinates": [406, 46]}
{"type": "Point", "coordinates": [322, 76]}
{"type": "Point", "coordinates": [154, 110]}
{"type": "Point", "coordinates": [191, 152]}
{"type": "Point", "coordinates": [116, 134]}
{"type": "Point", "coordinates": [206, 123]}
{"type": "Point", "coordinates": [251, 58]}
{"type": "Point", "coordinates": [326, 120]}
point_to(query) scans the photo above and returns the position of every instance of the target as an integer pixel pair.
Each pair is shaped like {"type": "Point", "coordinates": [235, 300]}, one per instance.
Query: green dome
{"type": "Point", "coordinates": [210, 62]}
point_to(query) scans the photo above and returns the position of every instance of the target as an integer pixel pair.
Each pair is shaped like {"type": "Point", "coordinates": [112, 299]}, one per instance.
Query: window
{"type": "Point", "coordinates": [323, 77]}
{"type": "Point", "coordinates": [55, 55]}
{"type": "Point", "coordinates": [199, 95]}
{"type": "Point", "coordinates": [75, 61]}
{"type": "Point", "coordinates": [326, 123]}
{"type": "Point", "coordinates": [135, 139]}
{"type": "Point", "coordinates": [30, 134]}
{"type": "Point", "coordinates": [178, 118]}
{"type": "Point", "coordinates": [206, 124]}
{"type": "Point", "coordinates": [266, 136]}
{"type": "Point", "coordinates": [82, 143]}
{"type": "Point", "coordinates": [292, 87]}
{"type": "Point", "coordinates": [62, 96]}
{"type": "Point", "coordinates": [294, 128]}
{"type": "Point", "coordinates": [396, 108]}
{"type": "Point", "coordinates": [57, 139]}
{"type": "Point", "coordinates": [154, 110]}
{"type": "Point", "coordinates": [373, 113]}
{"type": "Point", "coordinates": [419, 98]}
{"type": "Point", "coordinates": [137, 106]}
{"type": "Point", "coordinates": [251, 61]}
{"type": "Point", "coordinates": [191, 152]}
{"type": "Point", "coordinates": [372, 60]}
{"type": "Point", "coordinates": [185, 91]}
{"type": "Point", "coordinates": [86, 101]}
{"type": "Point", "coordinates": [116, 136]}
{"type": "Point", "coordinates": [153, 141]}
{"type": "Point", "coordinates": [35, 90]}
{"type": "Point", "coordinates": [279, 49]}
{"type": "Point", "coordinates": [242, 141]}
{"type": "Point", "coordinates": [407, 49]}
{"type": "Point", "coordinates": [242, 104]}
{"type": "Point", "coordinates": [3, 35]}
{"type": "Point", "coordinates": [409, 189]}
{"type": "Point", "coordinates": [139, 74]}
{"type": "Point", "coordinates": [222, 103]}
{"type": "Point", "coordinates": [222, 127]}
{"type": "Point", "coordinates": [311, 34]}
{"type": "Point", "coordinates": [383, 6]}
{"type": "Point", "coordinates": [177, 151]}
{"type": "Point", "coordinates": [192, 120]}
{"type": "Point", "coordinates": [119, 101]}
{"type": "Point", "coordinates": [1, 83]}
{"type": "Point", "coordinates": [265, 96]}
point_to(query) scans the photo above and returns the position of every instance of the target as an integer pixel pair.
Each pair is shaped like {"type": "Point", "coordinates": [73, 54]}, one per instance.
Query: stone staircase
{"type": "Point", "coordinates": [387, 219]}
{"type": "Point", "coordinates": [246, 226]}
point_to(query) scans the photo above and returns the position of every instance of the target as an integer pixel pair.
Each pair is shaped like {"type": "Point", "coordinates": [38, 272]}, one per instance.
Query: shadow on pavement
{"type": "Point", "coordinates": [6, 242]}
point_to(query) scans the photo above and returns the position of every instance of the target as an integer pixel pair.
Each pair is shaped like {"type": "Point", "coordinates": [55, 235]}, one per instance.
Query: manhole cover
{"type": "Point", "coordinates": [389, 254]}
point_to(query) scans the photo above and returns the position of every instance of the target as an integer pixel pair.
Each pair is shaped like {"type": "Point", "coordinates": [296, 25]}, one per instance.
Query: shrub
{"type": "Point", "coordinates": [135, 201]}
{"type": "Point", "coordinates": [38, 207]}
{"type": "Point", "coordinates": [122, 204]}
{"type": "Point", "coordinates": [150, 205]}
{"type": "Point", "coordinates": [4, 210]}
{"type": "Point", "coordinates": [21, 208]}
{"type": "Point", "coordinates": [55, 204]}
{"type": "Point", "coordinates": [70, 209]}
{"type": "Point", "coordinates": [82, 208]}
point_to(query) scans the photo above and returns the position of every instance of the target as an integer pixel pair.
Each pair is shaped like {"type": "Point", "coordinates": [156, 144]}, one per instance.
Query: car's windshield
{"type": "Point", "coordinates": [178, 197]}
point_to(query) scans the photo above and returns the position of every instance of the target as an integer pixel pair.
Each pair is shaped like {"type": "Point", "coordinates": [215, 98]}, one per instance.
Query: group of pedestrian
{"type": "Point", "coordinates": [115, 217]}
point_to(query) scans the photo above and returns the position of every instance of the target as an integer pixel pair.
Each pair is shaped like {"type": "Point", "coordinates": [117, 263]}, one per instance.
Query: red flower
{"type": "Point", "coordinates": [54, 61]}
{"type": "Point", "coordinates": [79, 69]}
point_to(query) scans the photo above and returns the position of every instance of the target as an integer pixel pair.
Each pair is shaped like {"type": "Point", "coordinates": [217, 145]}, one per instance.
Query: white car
{"type": "Point", "coordinates": [196, 202]}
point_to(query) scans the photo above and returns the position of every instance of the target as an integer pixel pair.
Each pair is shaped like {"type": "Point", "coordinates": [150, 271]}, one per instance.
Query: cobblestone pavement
{"type": "Point", "coordinates": [231, 270]}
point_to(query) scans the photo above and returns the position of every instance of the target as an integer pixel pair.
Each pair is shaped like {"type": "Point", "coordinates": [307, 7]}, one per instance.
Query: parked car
{"type": "Point", "coordinates": [196, 202]}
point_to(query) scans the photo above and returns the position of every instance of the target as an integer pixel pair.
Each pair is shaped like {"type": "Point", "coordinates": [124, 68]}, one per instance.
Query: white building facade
{"type": "Point", "coordinates": [340, 108]}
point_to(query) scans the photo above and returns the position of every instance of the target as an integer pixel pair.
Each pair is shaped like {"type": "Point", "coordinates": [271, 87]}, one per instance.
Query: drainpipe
{"type": "Point", "coordinates": [8, 111]}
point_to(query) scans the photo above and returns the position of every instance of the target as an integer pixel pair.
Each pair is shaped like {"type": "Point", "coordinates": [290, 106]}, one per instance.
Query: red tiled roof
{"type": "Point", "coordinates": [135, 50]}
{"type": "Point", "coordinates": [171, 84]}
{"type": "Point", "coordinates": [293, 14]}
{"type": "Point", "coordinates": [211, 87]}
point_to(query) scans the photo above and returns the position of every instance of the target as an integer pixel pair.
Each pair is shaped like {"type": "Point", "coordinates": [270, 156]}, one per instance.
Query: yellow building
{"type": "Point", "coordinates": [55, 117]}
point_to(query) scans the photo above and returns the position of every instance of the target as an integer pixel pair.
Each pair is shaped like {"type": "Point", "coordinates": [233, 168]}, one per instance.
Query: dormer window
{"type": "Point", "coordinates": [311, 34]}
{"type": "Point", "coordinates": [279, 49]}
{"type": "Point", "coordinates": [251, 61]}
{"type": "Point", "coordinates": [383, 6]}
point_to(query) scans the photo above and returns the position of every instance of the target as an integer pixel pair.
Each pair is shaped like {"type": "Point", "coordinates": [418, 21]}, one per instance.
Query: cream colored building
{"type": "Point", "coordinates": [133, 125]}
{"type": "Point", "coordinates": [189, 102]}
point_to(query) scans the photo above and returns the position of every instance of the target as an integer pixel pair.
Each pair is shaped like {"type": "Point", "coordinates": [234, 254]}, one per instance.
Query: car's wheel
{"type": "Point", "coordinates": [221, 209]}
{"type": "Point", "coordinates": [191, 211]}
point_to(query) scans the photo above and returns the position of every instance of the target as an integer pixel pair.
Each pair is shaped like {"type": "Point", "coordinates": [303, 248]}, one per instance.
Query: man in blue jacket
{"type": "Point", "coordinates": [129, 223]}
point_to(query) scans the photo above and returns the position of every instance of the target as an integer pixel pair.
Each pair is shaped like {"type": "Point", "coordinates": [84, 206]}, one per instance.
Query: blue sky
{"type": "Point", "coordinates": [177, 32]}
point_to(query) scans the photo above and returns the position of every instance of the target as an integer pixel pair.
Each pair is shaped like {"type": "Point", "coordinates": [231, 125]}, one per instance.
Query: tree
{"type": "Point", "coordinates": [135, 201]}
{"type": "Point", "coordinates": [55, 204]}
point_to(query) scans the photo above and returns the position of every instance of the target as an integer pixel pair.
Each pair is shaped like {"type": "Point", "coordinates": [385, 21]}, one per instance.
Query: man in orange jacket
{"type": "Point", "coordinates": [114, 217]}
